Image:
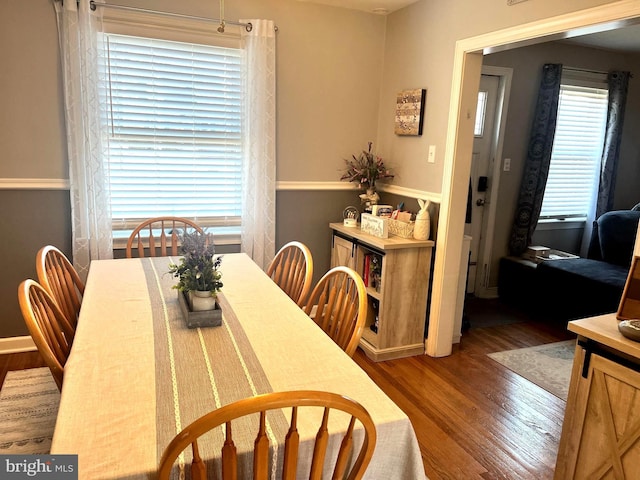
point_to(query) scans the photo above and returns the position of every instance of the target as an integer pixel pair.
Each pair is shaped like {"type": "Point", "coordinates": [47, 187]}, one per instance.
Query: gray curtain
{"type": "Point", "coordinates": [618, 88]}
{"type": "Point", "coordinates": [536, 169]}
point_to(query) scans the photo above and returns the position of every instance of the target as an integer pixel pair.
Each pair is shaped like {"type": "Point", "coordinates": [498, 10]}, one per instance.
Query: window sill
{"type": "Point", "coordinates": [227, 238]}
{"type": "Point", "coordinates": [555, 224]}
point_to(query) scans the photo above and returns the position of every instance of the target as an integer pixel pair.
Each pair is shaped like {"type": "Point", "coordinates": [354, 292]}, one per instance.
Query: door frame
{"type": "Point", "coordinates": [485, 248]}
{"type": "Point", "coordinates": [467, 67]}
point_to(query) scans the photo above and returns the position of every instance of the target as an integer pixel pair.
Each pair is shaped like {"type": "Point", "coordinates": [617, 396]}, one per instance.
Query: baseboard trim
{"type": "Point", "coordinates": [16, 345]}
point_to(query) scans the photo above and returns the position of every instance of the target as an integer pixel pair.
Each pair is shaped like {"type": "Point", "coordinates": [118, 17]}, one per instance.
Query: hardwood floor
{"type": "Point", "coordinates": [19, 361]}
{"type": "Point", "coordinates": [474, 419]}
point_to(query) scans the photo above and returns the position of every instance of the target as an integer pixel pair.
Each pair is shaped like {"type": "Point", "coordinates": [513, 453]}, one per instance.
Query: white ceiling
{"type": "Point", "coordinates": [381, 7]}
{"type": "Point", "coordinates": [625, 39]}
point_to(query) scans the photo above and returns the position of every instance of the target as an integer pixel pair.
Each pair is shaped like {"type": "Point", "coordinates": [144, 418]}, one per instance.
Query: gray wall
{"type": "Point", "coordinates": [527, 65]}
{"type": "Point", "coordinates": [309, 214]}
{"type": "Point", "coordinates": [27, 225]}
{"type": "Point", "coordinates": [338, 75]}
{"type": "Point", "coordinates": [324, 112]}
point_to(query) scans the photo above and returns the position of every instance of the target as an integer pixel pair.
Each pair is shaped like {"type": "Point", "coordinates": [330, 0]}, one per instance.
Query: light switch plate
{"type": "Point", "coordinates": [432, 154]}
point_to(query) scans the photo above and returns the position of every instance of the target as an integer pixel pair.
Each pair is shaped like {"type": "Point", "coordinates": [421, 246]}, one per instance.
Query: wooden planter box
{"type": "Point", "coordinates": [207, 318]}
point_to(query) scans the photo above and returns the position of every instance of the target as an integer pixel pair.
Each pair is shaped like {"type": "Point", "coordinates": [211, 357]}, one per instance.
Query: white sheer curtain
{"type": "Point", "coordinates": [78, 29]}
{"type": "Point", "coordinates": [259, 169]}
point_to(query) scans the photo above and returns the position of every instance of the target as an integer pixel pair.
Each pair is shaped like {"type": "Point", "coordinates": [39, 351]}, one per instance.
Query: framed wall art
{"type": "Point", "coordinates": [410, 111]}
{"type": "Point", "coordinates": [630, 302]}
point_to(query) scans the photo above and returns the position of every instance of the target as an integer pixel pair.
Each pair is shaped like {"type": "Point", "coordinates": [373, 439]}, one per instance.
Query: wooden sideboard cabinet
{"type": "Point", "coordinates": [397, 295]}
{"type": "Point", "coordinates": [601, 428]}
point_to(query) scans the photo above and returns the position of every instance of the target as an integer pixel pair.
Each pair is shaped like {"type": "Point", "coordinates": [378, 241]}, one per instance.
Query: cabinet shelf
{"type": "Point", "coordinates": [400, 304]}
{"type": "Point", "coordinates": [372, 292]}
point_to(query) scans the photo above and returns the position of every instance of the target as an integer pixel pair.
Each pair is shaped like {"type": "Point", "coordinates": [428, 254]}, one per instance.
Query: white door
{"type": "Point", "coordinates": [482, 179]}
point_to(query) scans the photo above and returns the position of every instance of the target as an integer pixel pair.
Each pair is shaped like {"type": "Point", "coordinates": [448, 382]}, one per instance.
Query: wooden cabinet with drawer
{"type": "Point", "coordinates": [601, 428]}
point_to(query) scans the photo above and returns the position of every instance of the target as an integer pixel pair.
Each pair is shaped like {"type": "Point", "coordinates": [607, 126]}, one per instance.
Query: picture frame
{"type": "Point", "coordinates": [629, 308]}
{"type": "Point", "coordinates": [410, 111]}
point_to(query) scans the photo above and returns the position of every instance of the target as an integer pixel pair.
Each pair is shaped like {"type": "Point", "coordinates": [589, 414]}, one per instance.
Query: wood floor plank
{"type": "Point", "coordinates": [473, 417]}
{"type": "Point", "coordinates": [495, 423]}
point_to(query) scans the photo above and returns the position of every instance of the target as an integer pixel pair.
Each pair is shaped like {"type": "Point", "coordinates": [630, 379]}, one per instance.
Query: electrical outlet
{"type": "Point", "coordinates": [432, 154]}
{"type": "Point", "coordinates": [507, 164]}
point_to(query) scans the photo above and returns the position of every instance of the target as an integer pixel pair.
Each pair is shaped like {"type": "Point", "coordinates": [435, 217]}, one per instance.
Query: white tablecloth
{"type": "Point", "coordinates": [136, 375]}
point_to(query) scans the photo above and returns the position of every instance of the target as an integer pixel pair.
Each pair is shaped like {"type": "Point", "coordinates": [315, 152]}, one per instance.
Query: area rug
{"type": "Point", "coordinates": [548, 366]}
{"type": "Point", "coordinates": [28, 409]}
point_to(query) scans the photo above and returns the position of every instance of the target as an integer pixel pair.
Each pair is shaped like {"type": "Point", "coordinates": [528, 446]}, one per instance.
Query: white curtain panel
{"type": "Point", "coordinates": [78, 29]}
{"type": "Point", "coordinates": [259, 165]}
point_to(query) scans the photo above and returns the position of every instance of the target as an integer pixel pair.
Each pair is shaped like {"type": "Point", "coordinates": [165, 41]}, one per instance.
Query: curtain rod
{"type": "Point", "coordinates": [247, 26]}
{"type": "Point", "coordinates": [598, 72]}
{"type": "Point", "coordinates": [576, 69]}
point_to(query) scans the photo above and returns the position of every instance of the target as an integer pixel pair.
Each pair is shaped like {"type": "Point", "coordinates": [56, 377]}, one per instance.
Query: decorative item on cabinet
{"type": "Point", "coordinates": [373, 225]}
{"type": "Point", "coordinates": [421, 231]}
{"type": "Point", "coordinates": [365, 170]}
{"type": "Point", "coordinates": [630, 329]}
{"type": "Point", "coordinates": [350, 216]}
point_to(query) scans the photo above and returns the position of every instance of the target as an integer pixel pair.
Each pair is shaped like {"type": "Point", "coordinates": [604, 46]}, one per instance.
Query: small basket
{"type": "Point", "coordinates": [401, 229]}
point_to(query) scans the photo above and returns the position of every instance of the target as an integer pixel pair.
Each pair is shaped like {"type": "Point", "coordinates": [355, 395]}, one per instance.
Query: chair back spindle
{"type": "Point", "coordinates": [161, 235]}
{"type": "Point", "coordinates": [61, 280]}
{"type": "Point", "coordinates": [48, 326]}
{"type": "Point", "coordinates": [338, 304]}
{"type": "Point", "coordinates": [295, 402]}
{"type": "Point", "coordinates": [292, 270]}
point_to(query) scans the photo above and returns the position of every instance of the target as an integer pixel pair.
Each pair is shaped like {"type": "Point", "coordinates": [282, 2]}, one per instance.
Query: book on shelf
{"type": "Point", "coordinates": [374, 326]}
{"type": "Point", "coordinates": [375, 271]}
{"type": "Point", "coordinates": [366, 269]}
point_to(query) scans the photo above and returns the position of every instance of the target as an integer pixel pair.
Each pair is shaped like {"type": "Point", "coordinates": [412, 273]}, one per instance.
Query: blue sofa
{"type": "Point", "coordinates": [567, 289]}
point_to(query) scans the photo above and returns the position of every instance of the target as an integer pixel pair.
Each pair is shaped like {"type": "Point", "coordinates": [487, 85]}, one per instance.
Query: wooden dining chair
{"type": "Point", "coordinates": [338, 304]}
{"type": "Point", "coordinates": [61, 280]}
{"type": "Point", "coordinates": [162, 235]}
{"type": "Point", "coordinates": [48, 326]}
{"type": "Point", "coordinates": [292, 270]}
{"type": "Point", "coordinates": [261, 404]}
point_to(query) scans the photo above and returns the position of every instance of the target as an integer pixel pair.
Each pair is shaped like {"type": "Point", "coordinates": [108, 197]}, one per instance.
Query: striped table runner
{"type": "Point", "coordinates": [199, 370]}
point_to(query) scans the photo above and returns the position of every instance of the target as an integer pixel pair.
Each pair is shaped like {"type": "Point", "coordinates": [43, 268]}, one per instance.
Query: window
{"type": "Point", "coordinates": [174, 116]}
{"type": "Point", "coordinates": [577, 147]}
{"type": "Point", "coordinates": [481, 112]}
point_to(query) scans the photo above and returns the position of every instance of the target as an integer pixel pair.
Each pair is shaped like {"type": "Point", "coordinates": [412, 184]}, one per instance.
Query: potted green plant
{"type": "Point", "coordinates": [198, 272]}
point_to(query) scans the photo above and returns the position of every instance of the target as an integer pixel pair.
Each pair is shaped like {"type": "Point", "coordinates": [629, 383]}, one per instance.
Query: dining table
{"type": "Point", "coordinates": [137, 375]}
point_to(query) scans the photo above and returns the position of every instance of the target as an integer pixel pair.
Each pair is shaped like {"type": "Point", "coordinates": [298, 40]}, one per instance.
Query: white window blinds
{"type": "Point", "coordinates": [175, 129]}
{"type": "Point", "coordinates": [577, 151]}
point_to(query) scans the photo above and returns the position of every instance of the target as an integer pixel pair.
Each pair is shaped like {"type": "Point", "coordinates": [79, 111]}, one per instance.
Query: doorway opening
{"type": "Point", "coordinates": [486, 165]}
{"type": "Point", "coordinates": [459, 145]}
